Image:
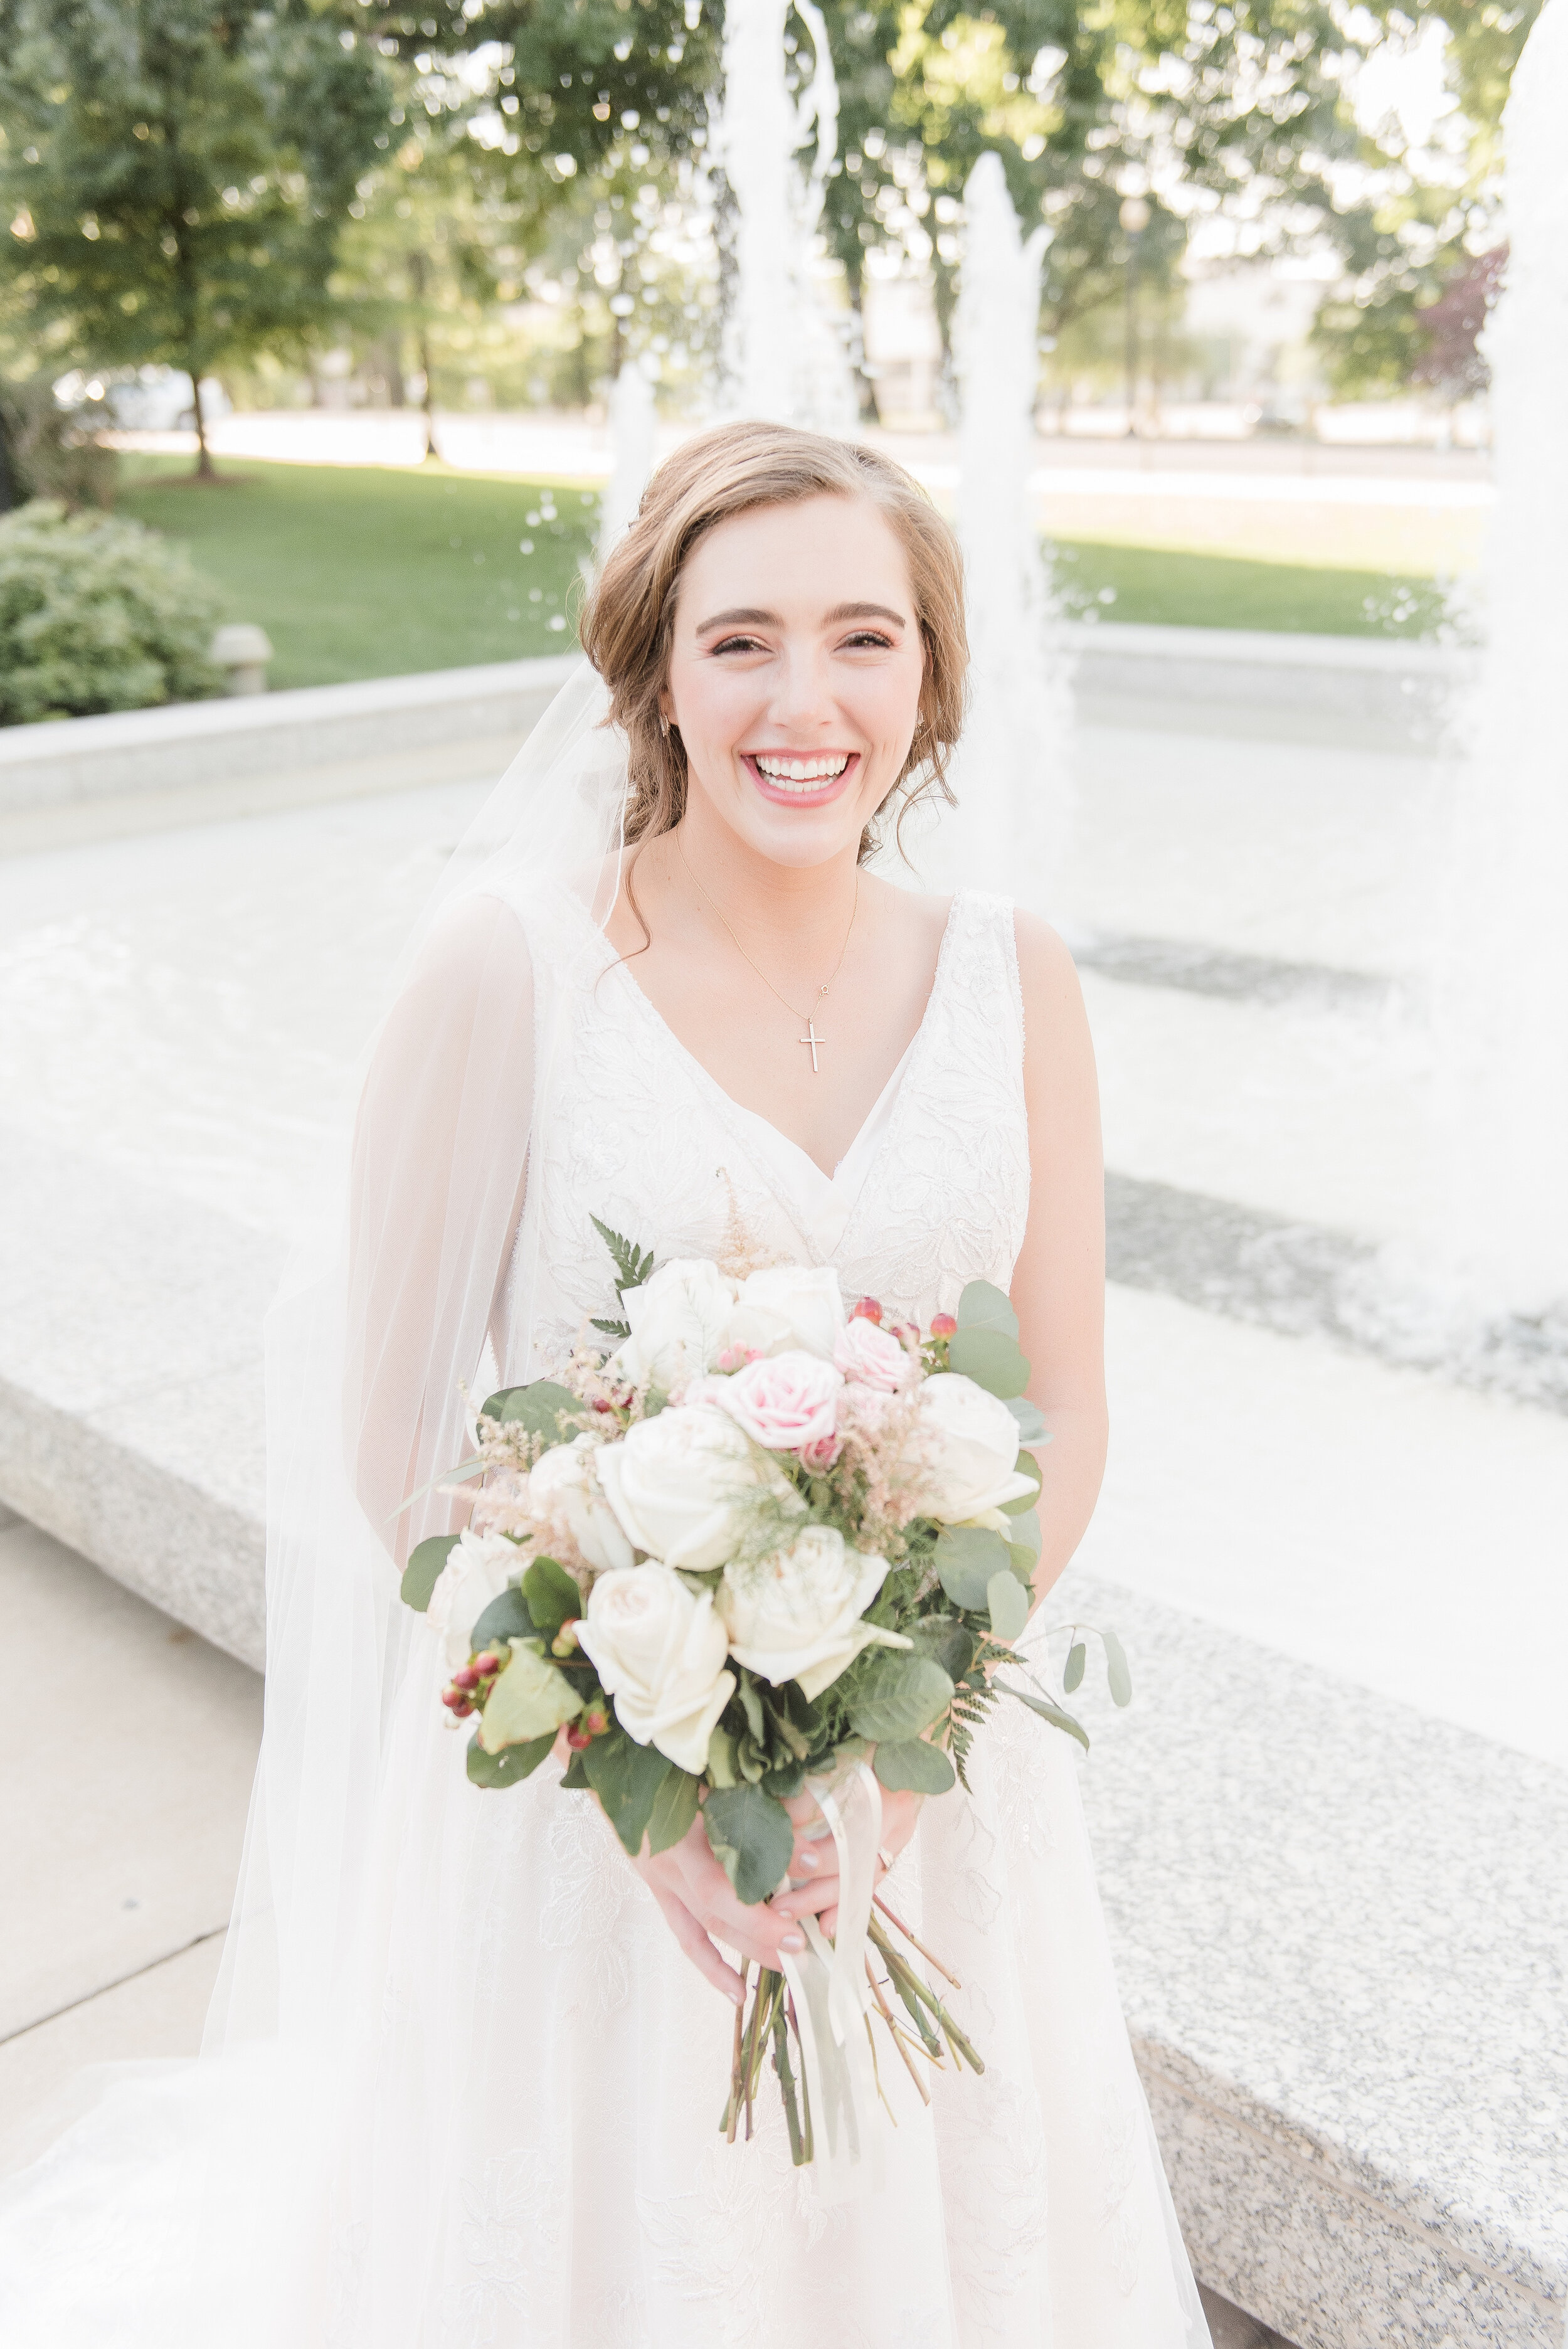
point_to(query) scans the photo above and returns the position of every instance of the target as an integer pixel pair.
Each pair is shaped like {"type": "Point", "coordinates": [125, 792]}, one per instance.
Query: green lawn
{"type": "Point", "coordinates": [365, 571]}
{"type": "Point", "coordinates": [1222, 591]}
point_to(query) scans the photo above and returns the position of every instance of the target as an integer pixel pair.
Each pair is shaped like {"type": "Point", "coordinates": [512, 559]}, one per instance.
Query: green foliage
{"type": "Point", "coordinates": [510, 1765]}
{"type": "Point", "coordinates": [505, 1618]}
{"type": "Point", "coordinates": [896, 1694]}
{"type": "Point", "coordinates": [627, 1778]}
{"type": "Point", "coordinates": [180, 172]}
{"type": "Point", "coordinates": [750, 1834]}
{"type": "Point", "coordinates": [97, 613]}
{"type": "Point", "coordinates": [913, 1764]}
{"type": "Point", "coordinates": [1047, 1711]}
{"type": "Point", "coordinates": [1073, 1673]}
{"type": "Point", "coordinates": [50, 452]}
{"type": "Point", "coordinates": [552, 1596]}
{"type": "Point", "coordinates": [967, 1558]}
{"type": "Point", "coordinates": [423, 1571]}
{"type": "Point", "coordinates": [537, 1407]}
{"type": "Point", "coordinates": [675, 1805]}
{"type": "Point", "coordinates": [530, 1700]}
{"type": "Point", "coordinates": [1009, 1605]}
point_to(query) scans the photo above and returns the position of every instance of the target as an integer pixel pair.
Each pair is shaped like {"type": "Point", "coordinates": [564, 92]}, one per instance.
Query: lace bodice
{"type": "Point", "coordinates": [635, 1131]}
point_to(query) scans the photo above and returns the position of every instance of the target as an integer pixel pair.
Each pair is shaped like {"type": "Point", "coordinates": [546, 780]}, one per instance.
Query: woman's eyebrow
{"type": "Point", "coordinates": [742, 616]}
{"type": "Point", "coordinates": [865, 612]}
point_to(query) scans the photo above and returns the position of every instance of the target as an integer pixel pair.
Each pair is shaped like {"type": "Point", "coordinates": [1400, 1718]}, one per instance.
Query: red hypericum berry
{"type": "Point", "coordinates": [462, 1708]}
{"type": "Point", "coordinates": [486, 1664]}
{"type": "Point", "coordinates": [596, 1723]}
{"type": "Point", "coordinates": [578, 1738]}
{"type": "Point", "coordinates": [943, 1325]}
{"type": "Point", "coordinates": [467, 1678]}
{"type": "Point", "coordinates": [868, 1309]}
{"type": "Point", "coordinates": [454, 1697]}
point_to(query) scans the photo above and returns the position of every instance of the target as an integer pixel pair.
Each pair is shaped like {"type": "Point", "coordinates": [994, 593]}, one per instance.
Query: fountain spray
{"type": "Point", "coordinates": [631, 455]}
{"type": "Point", "coordinates": [1501, 1006]}
{"type": "Point", "coordinates": [786, 356]}
{"type": "Point", "coordinates": [1012, 774]}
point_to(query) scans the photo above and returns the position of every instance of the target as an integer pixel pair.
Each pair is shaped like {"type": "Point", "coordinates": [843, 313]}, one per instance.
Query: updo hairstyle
{"type": "Point", "coordinates": [628, 622]}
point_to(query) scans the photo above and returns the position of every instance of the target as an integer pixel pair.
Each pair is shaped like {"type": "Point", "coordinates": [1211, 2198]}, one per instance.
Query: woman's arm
{"type": "Point", "coordinates": [1058, 1283]}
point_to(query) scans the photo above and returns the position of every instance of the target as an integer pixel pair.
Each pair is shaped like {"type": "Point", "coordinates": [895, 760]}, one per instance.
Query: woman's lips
{"type": "Point", "coordinates": [804, 793]}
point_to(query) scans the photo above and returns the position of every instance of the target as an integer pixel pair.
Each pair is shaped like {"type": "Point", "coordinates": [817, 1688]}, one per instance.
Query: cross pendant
{"type": "Point", "coordinates": [813, 1039]}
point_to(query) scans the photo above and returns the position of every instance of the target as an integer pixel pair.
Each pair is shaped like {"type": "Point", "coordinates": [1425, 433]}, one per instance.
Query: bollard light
{"type": "Point", "coordinates": [243, 650]}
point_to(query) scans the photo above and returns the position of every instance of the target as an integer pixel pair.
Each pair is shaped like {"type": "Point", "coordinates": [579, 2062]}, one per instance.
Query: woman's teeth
{"type": "Point", "coordinates": [803, 774]}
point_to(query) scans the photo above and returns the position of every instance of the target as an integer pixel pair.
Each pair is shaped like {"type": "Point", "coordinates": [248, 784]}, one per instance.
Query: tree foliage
{"type": "Point", "coordinates": [176, 174]}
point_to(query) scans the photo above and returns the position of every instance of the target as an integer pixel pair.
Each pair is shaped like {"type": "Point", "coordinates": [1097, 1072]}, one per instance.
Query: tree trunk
{"type": "Point", "coordinates": [419, 280]}
{"type": "Point", "coordinates": [203, 454]}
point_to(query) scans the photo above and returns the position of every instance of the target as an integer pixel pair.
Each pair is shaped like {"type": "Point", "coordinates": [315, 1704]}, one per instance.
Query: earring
{"type": "Point", "coordinates": [663, 726]}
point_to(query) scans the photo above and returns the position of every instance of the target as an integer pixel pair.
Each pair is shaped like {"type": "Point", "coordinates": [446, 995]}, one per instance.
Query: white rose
{"type": "Point", "coordinates": [970, 1443]}
{"type": "Point", "coordinates": [563, 1491]}
{"type": "Point", "coordinates": [476, 1570]}
{"type": "Point", "coordinates": [660, 1651]}
{"type": "Point", "coordinates": [680, 1485]}
{"type": "Point", "coordinates": [796, 1616]}
{"type": "Point", "coordinates": [678, 1322]}
{"type": "Point", "coordinates": [789, 1305]}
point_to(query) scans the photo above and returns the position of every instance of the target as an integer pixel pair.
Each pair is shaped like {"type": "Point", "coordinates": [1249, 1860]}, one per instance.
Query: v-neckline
{"type": "Point", "coordinates": [900, 1075]}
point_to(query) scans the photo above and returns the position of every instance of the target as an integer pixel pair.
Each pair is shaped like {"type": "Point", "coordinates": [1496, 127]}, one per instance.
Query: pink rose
{"type": "Point", "coordinates": [785, 1402]}
{"type": "Point", "coordinates": [872, 1357]}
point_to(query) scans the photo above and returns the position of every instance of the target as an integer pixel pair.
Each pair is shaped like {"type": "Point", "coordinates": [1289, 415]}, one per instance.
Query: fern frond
{"type": "Point", "coordinates": [632, 1264]}
{"type": "Point", "coordinates": [613, 1329]}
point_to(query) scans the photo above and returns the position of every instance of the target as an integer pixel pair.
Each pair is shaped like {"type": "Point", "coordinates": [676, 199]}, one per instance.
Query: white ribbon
{"type": "Point", "coordinates": [827, 1980]}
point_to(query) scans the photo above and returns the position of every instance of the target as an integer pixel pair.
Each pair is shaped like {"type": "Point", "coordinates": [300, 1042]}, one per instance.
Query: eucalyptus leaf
{"type": "Point", "coordinates": [965, 1559]}
{"type": "Point", "coordinates": [510, 1765]}
{"type": "Point", "coordinates": [674, 1808]}
{"type": "Point", "coordinates": [506, 1617]}
{"type": "Point", "coordinates": [1032, 1428]}
{"type": "Point", "coordinates": [537, 1406]}
{"type": "Point", "coordinates": [551, 1595]}
{"type": "Point", "coordinates": [1024, 1562]}
{"type": "Point", "coordinates": [910, 1764]}
{"type": "Point", "coordinates": [1026, 1464]}
{"type": "Point", "coordinates": [530, 1698]}
{"type": "Point", "coordinates": [1072, 1677]}
{"type": "Point", "coordinates": [984, 1306]}
{"type": "Point", "coordinates": [1023, 1532]}
{"type": "Point", "coordinates": [751, 1837]}
{"type": "Point", "coordinates": [901, 1694]}
{"type": "Point", "coordinates": [946, 1642]}
{"type": "Point", "coordinates": [991, 1359]}
{"type": "Point", "coordinates": [423, 1571]}
{"type": "Point", "coordinates": [1118, 1676]}
{"type": "Point", "coordinates": [1009, 1605]}
{"type": "Point", "coordinates": [1047, 1711]}
{"type": "Point", "coordinates": [626, 1778]}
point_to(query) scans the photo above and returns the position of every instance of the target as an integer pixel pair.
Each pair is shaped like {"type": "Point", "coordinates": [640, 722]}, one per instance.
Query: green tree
{"type": "Point", "coordinates": [176, 174]}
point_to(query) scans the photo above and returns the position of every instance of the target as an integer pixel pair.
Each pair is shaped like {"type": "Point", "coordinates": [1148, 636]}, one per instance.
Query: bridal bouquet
{"type": "Point", "coordinates": [750, 1543]}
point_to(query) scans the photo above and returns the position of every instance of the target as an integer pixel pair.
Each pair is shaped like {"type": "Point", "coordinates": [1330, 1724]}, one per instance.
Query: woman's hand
{"type": "Point", "coordinates": [700, 1908]}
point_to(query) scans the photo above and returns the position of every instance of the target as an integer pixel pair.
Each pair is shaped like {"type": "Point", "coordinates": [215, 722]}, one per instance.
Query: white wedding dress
{"type": "Point", "coordinates": [519, 2145]}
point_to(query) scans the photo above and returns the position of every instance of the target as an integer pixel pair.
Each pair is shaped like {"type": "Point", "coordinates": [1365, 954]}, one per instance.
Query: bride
{"type": "Point", "coordinates": [464, 2072]}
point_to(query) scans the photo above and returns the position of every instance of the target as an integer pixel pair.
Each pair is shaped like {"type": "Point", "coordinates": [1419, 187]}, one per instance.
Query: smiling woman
{"type": "Point", "coordinates": [495, 2028]}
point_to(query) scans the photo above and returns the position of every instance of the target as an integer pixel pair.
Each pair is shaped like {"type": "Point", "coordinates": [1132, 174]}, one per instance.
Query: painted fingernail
{"type": "Point", "coordinates": [808, 1862]}
{"type": "Point", "coordinates": [793, 1942]}
{"type": "Point", "coordinates": [737, 1994]}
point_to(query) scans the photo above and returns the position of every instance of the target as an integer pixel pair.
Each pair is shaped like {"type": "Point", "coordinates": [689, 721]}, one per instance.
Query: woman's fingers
{"type": "Point", "coordinates": [697, 1946]}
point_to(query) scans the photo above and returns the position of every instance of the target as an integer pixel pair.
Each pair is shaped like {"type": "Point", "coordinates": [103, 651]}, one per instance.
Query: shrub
{"type": "Point", "coordinates": [98, 615]}
{"type": "Point", "coordinates": [51, 451]}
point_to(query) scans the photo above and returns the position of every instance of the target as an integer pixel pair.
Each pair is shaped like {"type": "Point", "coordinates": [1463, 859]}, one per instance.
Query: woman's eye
{"type": "Point", "coordinates": [738, 645]}
{"type": "Point", "coordinates": [867, 640]}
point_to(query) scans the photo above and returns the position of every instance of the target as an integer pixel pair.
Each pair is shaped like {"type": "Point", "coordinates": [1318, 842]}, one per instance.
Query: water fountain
{"type": "Point", "coordinates": [1013, 777]}
{"type": "Point", "coordinates": [784, 353]}
{"type": "Point", "coordinates": [1501, 1007]}
{"type": "Point", "coordinates": [632, 454]}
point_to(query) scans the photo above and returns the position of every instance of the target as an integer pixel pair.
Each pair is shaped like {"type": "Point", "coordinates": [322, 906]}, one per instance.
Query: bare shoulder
{"type": "Point", "coordinates": [909, 913]}
{"type": "Point", "coordinates": [1047, 975]}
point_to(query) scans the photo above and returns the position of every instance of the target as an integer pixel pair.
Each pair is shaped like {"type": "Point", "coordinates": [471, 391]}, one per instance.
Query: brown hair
{"type": "Point", "coordinates": [629, 619]}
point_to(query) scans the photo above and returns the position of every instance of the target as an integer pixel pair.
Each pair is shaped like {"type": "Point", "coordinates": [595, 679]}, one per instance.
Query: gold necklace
{"type": "Point", "coordinates": [810, 1038]}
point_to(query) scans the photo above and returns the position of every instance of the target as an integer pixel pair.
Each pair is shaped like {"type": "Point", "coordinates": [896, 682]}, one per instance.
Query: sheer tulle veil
{"type": "Point", "coordinates": [410, 1286]}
